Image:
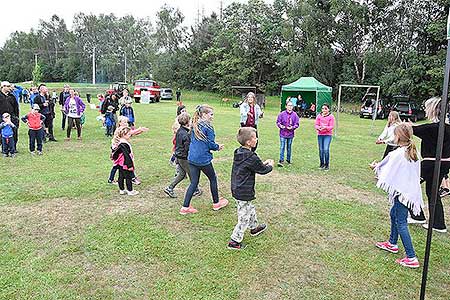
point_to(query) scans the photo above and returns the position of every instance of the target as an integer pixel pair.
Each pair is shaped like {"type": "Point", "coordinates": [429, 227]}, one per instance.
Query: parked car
{"type": "Point", "coordinates": [117, 88]}
{"type": "Point", "coordinates": [368, 107]}
{"type": "Point", "coordinates": [146, 85]}
{"type": "Point", "coordinates": [408, 109]}
{"type": "Point", "coordinates": [166, 94]}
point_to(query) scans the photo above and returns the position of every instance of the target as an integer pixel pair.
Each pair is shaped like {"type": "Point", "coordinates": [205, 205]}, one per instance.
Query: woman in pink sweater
{"type": "Point", "coordinates": [324, 126]}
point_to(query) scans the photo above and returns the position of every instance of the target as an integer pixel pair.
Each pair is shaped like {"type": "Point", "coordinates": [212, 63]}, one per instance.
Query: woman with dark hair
{"type": "Point", "coordinates": [428, 133]}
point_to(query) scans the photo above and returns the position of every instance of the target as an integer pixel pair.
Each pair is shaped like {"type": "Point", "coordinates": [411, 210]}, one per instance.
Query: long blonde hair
{"type": "Point", "coordinates": [120, 133]}
{"type": "Point", "coordinates": [196, 118]}
{"type": "Point", "coordinates": [433, 109]}
{"type": "Point", "coordinates": [403, 137]}
{"type": "Point", "coordinates": [393, 118]}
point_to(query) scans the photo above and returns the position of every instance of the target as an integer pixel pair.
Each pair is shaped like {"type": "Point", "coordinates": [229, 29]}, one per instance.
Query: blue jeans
{"type": "Point", "coordinates": [208, 170]}
{"type": "Point", "coordinates": [324, 149]}
{"type": "Point", "coordinates": [399, 226]}
{"type": "Point", "coordinates": [285, 142]}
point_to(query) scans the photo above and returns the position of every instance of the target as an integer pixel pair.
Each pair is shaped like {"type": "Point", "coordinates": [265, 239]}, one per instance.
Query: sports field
{"type": "Point", "coordinates": [66, 234]}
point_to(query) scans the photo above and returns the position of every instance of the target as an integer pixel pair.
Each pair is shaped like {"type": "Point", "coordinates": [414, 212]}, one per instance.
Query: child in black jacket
{"type": "Point", "coordinates": [246, 164]}
{"type": "Point", "coordinates": [182, 141]}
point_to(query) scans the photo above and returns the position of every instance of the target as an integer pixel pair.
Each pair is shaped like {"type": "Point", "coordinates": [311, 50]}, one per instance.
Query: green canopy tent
{"type": "Point", "coordinates": [311, 90]}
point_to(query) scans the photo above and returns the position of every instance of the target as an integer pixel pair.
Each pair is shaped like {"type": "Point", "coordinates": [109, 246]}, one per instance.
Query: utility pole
{"type": "Point", "coordinates": [221, 10]}
{"type": "Point", "coordinates": [125, 76]}
{"type": "Point", "coordinates": [35, 60]}
{"type": "Point", "coordinates": [93, 65]}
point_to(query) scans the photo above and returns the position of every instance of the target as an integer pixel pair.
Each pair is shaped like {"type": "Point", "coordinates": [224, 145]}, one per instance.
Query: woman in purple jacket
{"type": "Point", "coordinates": [74, 108]}
{"type": "Point", "coordinates": [287, 121]}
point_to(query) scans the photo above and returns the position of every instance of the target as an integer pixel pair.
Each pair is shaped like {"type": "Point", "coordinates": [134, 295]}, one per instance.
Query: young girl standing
{"type": "Point", "coordinates": [200, 157]}
{"type": "Point", "coordinates": [324, 127]}
{"type": "Point", "coordinates": [123, 157]}
{"type": "Point", "coordinates": [387, 136]}
{"type": "Point", "coordinates": [399, 175]}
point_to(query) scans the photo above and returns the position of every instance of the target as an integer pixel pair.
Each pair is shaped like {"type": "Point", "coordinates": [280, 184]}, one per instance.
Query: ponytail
{"type": "Point", "coordinates": [199, 111]}
{"type": "Point", "coordinates": [411, 151]}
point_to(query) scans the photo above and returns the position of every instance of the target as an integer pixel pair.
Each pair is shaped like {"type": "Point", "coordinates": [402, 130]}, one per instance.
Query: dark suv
{"type": "Point", "coordinates": [408, 109]}
{"type": "Point", "coordinates": [368, 107]}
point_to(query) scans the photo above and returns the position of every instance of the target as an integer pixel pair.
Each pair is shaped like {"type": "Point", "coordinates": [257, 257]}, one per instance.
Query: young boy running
{"type": "Point", "coordinates": [246, 164]}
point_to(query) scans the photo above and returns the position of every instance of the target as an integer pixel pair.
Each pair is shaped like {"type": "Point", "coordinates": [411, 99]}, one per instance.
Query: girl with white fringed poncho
{"type": "Point", "coordinates": [399, 175]}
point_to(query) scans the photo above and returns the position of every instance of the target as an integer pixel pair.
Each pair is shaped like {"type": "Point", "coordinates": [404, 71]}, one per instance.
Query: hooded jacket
{"type": "Point", "coordinates": [245, 165]}
{"type": "Point", "coordinates": [182, 141]}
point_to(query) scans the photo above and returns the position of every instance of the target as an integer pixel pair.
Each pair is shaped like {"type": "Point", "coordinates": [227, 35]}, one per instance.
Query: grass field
{"type": "Point", "coordinates": [66, 234]}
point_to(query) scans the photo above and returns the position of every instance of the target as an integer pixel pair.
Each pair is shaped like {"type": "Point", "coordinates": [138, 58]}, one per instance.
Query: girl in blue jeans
{"type": "Point", "coordinates": [324, 126]}
{"type": "Point", "coordinates": [399, 175]}
{"type": "Point", "coordinates": [200, 157]}
{"type": "Point", "coordinates": [288, 122]}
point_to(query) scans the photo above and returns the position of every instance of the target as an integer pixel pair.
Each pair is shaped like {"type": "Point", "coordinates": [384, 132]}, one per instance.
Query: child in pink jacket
{"type": "Point", "coordinates": [324, 126]}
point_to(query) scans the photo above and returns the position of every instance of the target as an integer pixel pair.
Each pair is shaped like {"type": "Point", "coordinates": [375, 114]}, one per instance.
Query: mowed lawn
{"type": "Point", "coordinates": [66, 234]}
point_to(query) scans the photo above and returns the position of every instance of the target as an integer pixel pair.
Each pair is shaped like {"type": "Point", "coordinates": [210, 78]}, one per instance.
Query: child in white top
{"type": "Point", "coordinates": [387, 136]}
{"type": "Point", "coordinates": [399, 175]}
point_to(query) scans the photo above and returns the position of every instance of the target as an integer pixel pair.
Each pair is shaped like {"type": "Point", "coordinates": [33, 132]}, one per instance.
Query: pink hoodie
{"type": "Point", "coordinates": [327, 122]}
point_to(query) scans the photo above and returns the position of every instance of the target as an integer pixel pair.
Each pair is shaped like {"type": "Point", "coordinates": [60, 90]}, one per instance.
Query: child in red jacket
{"type": "Point", "coordinates": [35, 120]}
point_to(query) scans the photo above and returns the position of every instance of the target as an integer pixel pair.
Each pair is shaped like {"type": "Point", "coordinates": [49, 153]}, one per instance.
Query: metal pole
{"type": "Point", "coordinates": [93, 65]}
{"type": "Point", "coordinates": [35, 60]}
{"type": "Point", "coordinates": [338, 109]}
{"type": "Point", "coordinates": [125, 76]}
{"type": "Point", "coordinates": [375, 113]}
{"type": "Point", "coordinates": [437, 167]}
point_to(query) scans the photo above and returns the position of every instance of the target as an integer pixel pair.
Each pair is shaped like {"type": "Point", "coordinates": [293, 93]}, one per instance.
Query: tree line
{"type": "Point", "coordinates": [397, 44]}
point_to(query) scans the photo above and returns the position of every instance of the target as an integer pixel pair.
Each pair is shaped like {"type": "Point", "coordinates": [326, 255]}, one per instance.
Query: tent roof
{"type": "Point", "coordinates": [306, 84]}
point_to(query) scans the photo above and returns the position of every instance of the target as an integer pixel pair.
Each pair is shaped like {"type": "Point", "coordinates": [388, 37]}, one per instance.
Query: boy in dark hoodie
{"type": "Point", "coordinates": [246, 164]}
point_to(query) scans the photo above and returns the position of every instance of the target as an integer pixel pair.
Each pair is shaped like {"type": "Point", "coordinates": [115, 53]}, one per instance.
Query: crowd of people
{"type": "Point", "coordinates": [399, 173]}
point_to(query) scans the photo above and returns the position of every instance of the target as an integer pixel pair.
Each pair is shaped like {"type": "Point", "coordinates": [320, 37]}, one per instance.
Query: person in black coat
{"type": "Point", "coordinates": [8, 104]}
{"type": "Point", "coordinates": [182, 141]}
{"type": "Point", "coordinates": [246, 164]}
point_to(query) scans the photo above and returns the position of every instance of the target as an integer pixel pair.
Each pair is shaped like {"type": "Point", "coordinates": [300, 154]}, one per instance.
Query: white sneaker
{"type": "Point", "coordinates": [132, 193]}
{"type": "Point", "coordinates": [435, 229]}
{"type": "Point", "coordinates": [413, 221]}
{"type": "Point", "coordinates": [122, 192]}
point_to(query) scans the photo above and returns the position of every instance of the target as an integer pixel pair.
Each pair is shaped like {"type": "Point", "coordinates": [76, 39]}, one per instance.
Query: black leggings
{"type": "Point", "coordinates": [125, 176]}
{"type": "Point", "coordinates": [77, 122]}
{"type": "Point", "coordinates": [426, 172]}
{"type": "Point", "coordinates": [208, 170]}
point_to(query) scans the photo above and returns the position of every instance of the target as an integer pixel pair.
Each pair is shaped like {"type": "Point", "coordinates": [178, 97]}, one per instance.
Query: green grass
{"type": "Point", "coordinates": [66, 234]}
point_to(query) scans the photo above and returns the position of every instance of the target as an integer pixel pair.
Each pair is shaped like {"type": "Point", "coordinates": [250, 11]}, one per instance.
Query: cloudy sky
{"type": "Point", "coordinates": [24, 15]}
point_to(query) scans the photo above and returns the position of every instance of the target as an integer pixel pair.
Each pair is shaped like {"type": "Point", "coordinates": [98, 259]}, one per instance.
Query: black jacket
{"type": "Point", "coordinates": [8, 103]}
{"type": "Point", "coordinates": [124, 148]}
{"type": "Point", "coordinates": [62, 97]}
{"type": "Point", "coordinates": [108, 101]}
{"type": "Point", "coordinates": [245, 165]}
{"type": "Point", "coordinates": [182, 141]}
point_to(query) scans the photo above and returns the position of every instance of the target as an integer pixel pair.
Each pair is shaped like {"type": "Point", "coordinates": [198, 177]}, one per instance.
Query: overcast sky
{"type": "Point", "coordinates": [24, 15]}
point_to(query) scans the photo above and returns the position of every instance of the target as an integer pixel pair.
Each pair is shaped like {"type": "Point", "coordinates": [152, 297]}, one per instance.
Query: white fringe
{"type": "Point", "coordinates": [416, 207]}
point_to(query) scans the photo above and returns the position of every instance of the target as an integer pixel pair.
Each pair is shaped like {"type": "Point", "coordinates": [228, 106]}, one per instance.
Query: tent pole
{"type": "Point", "coordinates": [437, 168]}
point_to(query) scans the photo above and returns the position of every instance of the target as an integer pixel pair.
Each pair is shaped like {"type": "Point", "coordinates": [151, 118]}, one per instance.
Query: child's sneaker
{"type": "Point", "coordinates": [122, 192]}
{"type": "Point", "coordinates": [387, 246]}
{"type": "Point", "coordinates": [232, 245]}
{"type": "Point", "coordinates": [258, 230]}
{"type": "Point", "coordinates": [170, 192]}
{"type": "Point", "coordinates": [188, 210]}
{"type": "Point", "coordinates": [444, 192]}
{"type": "Point", "coordinates": [39, 153]}
{"type": "Point", "coordinates": [136, 181]}
{"type": "Point", "coordinates": [408, 262]}
{"type": "Point", "coordinates": [132, 193]}
{"type": "Point", "coordinates": [12, 155]}
{"type": "Point", "coordinates": [197, 193]}
{"type": "Point", "coordinates": [221, 204]}
{"type": "Point", "coordinates": [5, 154]}
{"type": "Point", "coordinates": [32, 152]}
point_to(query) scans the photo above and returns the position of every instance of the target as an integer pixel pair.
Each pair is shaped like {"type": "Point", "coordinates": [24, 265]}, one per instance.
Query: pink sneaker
{"type": "Point", "coordinates": [408, 262]}
{"type": "Point", "coordinates": [387, 246]}
{"type": "Point", "coordinates": [188, 210]}
{"type": "Point", "coordinates": [222, 203]}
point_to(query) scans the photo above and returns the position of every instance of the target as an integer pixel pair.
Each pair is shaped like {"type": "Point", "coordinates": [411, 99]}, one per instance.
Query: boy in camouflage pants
{"type": "Point", "coordinates": [245, 165]}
